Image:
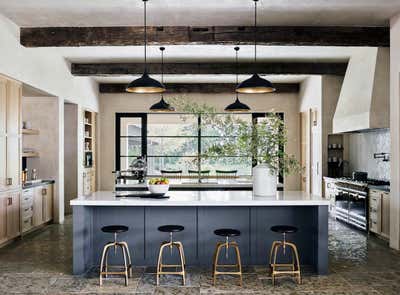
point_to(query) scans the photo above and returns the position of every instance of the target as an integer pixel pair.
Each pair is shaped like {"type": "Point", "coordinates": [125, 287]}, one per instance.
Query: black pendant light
{"type": "Point", "coordinates": [237, 106]}
{"type": "Point", "coordinates": [162, 105]}
{"type": "Point", "coordinates": [255, 84]}
{"type": "Point", "coordinates": [145, 84]}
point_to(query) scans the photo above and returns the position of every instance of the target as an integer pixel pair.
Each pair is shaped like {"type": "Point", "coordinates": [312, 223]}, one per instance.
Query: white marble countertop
{"type": "Point", "coordinates": [203, 198]}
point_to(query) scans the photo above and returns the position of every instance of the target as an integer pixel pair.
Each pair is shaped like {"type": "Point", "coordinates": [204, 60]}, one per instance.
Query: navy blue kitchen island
{"type": "Point", "coordinates": [201, 212]}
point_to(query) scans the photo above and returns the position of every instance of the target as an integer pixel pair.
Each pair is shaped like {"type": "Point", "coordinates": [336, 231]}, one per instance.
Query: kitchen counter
{"type": "Point", "coordinates": [384, 188]}
{"type": "Point", "coordinates": [200, 212]}
{"type": "Point", "coordinates": [202, 198]}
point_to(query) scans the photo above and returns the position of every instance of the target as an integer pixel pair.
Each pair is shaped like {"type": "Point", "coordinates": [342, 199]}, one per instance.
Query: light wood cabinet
{"type": "Point", "coordinates": [47, 193]}
{"type": "Point", "coordinates": [9, 216]}
{"type": "Point", "coordinates": [37, 206]}
{"type": "Point", "coordinates": [379, 212]}
{"type": "Point", "coordinates": [13, 215]}
{"type": "Point", "coordinates": [3, 218]}
{"type": "Point", "coordinates": [10, 133]}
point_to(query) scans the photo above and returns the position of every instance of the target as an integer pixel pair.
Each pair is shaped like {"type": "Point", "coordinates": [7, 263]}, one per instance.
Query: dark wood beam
{"type": "Point", "coordinates": [306, 68]}
{"type": "Point", "coordinates": [179, 35]}
{"type": "Point", "coordinates": [198, 87]}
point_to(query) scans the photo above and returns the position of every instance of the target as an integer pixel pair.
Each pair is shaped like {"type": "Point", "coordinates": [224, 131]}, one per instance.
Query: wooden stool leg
{"type": "Point", "coordinates": [214, 256]}
{"type": "Point", "coordinates": [183, 252]}
{"type": "Point", "coordinates": [216, 262]}
{"type": "Point", "coordinates": [105, 250]}
{"type": "Point", "coordinates": [239, 262]}
{"type": "Point", "coordinates": [106, 262]}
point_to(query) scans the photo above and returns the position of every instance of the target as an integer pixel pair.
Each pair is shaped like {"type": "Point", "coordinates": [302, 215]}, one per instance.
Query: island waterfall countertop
{"type": "Point", "coordinates": [200, 198]}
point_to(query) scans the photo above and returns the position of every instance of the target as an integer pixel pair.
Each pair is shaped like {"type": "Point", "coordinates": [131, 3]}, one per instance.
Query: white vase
{"type": "Point", "coordinates": [264, 181]}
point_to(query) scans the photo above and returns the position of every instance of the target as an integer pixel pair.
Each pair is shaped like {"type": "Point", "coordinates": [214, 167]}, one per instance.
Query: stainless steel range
{"type": "Point", "coordinates": [352, 204]}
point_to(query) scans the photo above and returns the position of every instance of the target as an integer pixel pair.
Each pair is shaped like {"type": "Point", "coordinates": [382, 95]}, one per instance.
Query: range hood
{"type": "Point", "coordinates": [364, 98]}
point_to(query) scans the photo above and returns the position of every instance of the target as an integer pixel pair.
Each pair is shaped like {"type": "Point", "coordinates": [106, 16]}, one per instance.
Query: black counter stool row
{"type": "Point", "coordinates": [277, 269]}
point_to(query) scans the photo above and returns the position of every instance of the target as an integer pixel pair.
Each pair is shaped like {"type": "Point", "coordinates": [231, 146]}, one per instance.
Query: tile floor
{"type": "Point", "coordinates": [41, 264]}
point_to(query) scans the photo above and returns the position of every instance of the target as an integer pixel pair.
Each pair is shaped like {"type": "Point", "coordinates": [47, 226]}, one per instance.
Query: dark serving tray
{"type": "Point", "coordinates": [140, 194]}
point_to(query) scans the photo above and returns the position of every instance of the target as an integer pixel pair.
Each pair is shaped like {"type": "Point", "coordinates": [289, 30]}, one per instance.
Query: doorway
{"type": "Point", "coordinates": [70, 154]}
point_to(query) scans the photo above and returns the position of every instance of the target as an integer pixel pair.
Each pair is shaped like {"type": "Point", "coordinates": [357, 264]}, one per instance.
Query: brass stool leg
{"type": "Point", "coordinates": [239, 263]}
{"type": "Point", "coordinates": [159, 263]}
{"type": "Point", "coordinates": [125, 263]}
{"type": "Point", "coordinates": [183, 252]}
{"type": "Point", "coordinates": [277, 245]}
{"type": "Point", "coordinates": [214, 256]}
{"type": "Point", "coordinates": [125, 244]}
{"type": "Point", "coordinates": [180, 248]}
{"type": "Point", "coordinates": [105, 250]}
{"type": "Point", "coordinates": [296, 256]}
{"type": "Point", "coordinates": [270, 256]}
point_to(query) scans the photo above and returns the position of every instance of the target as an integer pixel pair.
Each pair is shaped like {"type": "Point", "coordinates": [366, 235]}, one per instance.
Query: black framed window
{"type": "Point", "coordinates": [178, 141]}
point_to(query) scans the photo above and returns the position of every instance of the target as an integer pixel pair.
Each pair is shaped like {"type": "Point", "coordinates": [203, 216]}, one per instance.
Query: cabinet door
{"type": "Point", "coordinates": [13, 161]}
{"type": "Point", "coordinates": [3, 162]}
{"type": "Point", "coordinates": [48, 203]}
{"type": "Point", "coordinates": [13, 108]}
{"type": "Point", "coordinates": [37, 206]}
{"type": "Point", "coordinates": [3, 218]}
{"type": "Point", "coordinates": [13, 215]}
{"type": "Point", "coordinates": [385, 215]}
{"type": "Point", "coordinates": [3, 106]}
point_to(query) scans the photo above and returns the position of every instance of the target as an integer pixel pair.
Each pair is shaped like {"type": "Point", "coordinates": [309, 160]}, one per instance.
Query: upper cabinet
{"type": "Point", "coordinates": [10, 133]}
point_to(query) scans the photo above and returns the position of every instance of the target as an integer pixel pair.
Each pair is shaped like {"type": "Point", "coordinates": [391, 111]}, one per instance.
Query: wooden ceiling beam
{"type": "Point", "coordinates": [220, 35]}
{"type": "Point", "coordinates": [198, 87]}
{"type": "Point", "coordinates": [295, 68]}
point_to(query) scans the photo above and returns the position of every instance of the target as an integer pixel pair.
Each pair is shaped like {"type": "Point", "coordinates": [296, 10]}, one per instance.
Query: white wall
{"type": "Point", "coordinates": [395, 132]}
{"type": "Point", "coordinates": [112, 103]}
{"type": "Point", "coordinates": [362, 147]}
{"type": "Point", "coordinates": [47, 70]}
{"type": "Point", "coordinates": [42, 113]}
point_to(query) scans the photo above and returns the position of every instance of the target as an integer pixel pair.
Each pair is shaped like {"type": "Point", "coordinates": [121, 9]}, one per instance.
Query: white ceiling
{"type": "Point", "coordinates": [198, 13]}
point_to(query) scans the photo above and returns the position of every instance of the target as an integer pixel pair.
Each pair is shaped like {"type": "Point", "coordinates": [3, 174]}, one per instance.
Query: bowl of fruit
{"type": "Point", "coordinates": [158, 185]}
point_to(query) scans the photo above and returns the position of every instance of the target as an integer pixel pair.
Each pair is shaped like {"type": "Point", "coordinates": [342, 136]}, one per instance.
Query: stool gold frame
{"type": "Point", "coordinates": [127, 267]}
{"type": "Point", "coordinates": [170, 244]}
{"type": "Point", "coordinates": [238, 264]}
{"type": "Point", "coordinates": [278, 269]}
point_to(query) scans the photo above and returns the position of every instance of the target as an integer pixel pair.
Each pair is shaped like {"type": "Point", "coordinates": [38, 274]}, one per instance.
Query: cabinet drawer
{"type": "Point", "coordinates": [27, 224]}
{"type": "Point", "coordinates": [375, 202]}
{"type": "Point", "coordinates": [373, 226]}
{"type": "Point", "coordinates": [26, 213]}
{"type": "Point", "coordinates": [373, 215]}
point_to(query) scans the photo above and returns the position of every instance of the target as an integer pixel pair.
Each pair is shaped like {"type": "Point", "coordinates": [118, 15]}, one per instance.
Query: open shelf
{"type": "Point", "coordinates": [30, 155]}
{"type": "Point", "coordinates": [30, 131]}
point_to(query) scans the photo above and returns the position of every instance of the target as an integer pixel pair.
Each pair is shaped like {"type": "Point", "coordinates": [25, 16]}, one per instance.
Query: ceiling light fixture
{"type": "Point", "coordinates": [145, 84]}
{"type": "Point", "coordinates": [162, 105]}
{"type": "Point", "coordinates": [255, 84]}
{"type": "Point", "coordinates": [237, 106]}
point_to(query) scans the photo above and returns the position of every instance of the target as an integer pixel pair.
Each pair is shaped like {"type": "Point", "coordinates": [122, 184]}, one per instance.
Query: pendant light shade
{"type": "Point", "coordinates": [145, 84]}
{"type": "Point", "coordinates": [237, 106]}
{"type": "Point", "coordinates": [162, 105]}
{"type": "Point", "coordinates": [255, 84]}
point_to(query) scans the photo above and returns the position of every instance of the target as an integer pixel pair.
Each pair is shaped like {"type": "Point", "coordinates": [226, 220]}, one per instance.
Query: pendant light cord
{"type": "Point", "coordinates": [145, 36]}
{"type": "Point", "coordinates": [237, 69]}
{"type": "Point", "coordinates": [162, 64]}
{"type": "Point", "coordinates": [255, 31]}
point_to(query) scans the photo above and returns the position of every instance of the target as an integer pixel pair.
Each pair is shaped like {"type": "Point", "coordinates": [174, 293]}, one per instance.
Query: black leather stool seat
{"type": "Point", "coordinates": [171, 228]}
{"type": "Point", "coordinates": [284, 229]}
{"type": "Point", "coordinates": [227, 232]}
{"type": "Point", "coordinates": [115, 229]}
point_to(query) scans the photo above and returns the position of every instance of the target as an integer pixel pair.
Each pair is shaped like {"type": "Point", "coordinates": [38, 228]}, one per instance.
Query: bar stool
{"type": "Point", "coordinates": [127, 267]}
{"type": "Point", "coordinates": [284, 268]}
{"type": "Point", "coordinates": [171, 243]}
{"type": "Point", "coordinates": [227, 233]}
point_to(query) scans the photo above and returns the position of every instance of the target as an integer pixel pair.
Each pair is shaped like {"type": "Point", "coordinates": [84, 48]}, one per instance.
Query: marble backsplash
{"type": "Point", "coordinates": [362, 147]}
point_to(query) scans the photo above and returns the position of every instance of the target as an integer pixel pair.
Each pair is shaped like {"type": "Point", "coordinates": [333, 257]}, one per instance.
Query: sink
{"type": "Point", "coordinates": [33, 181]}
